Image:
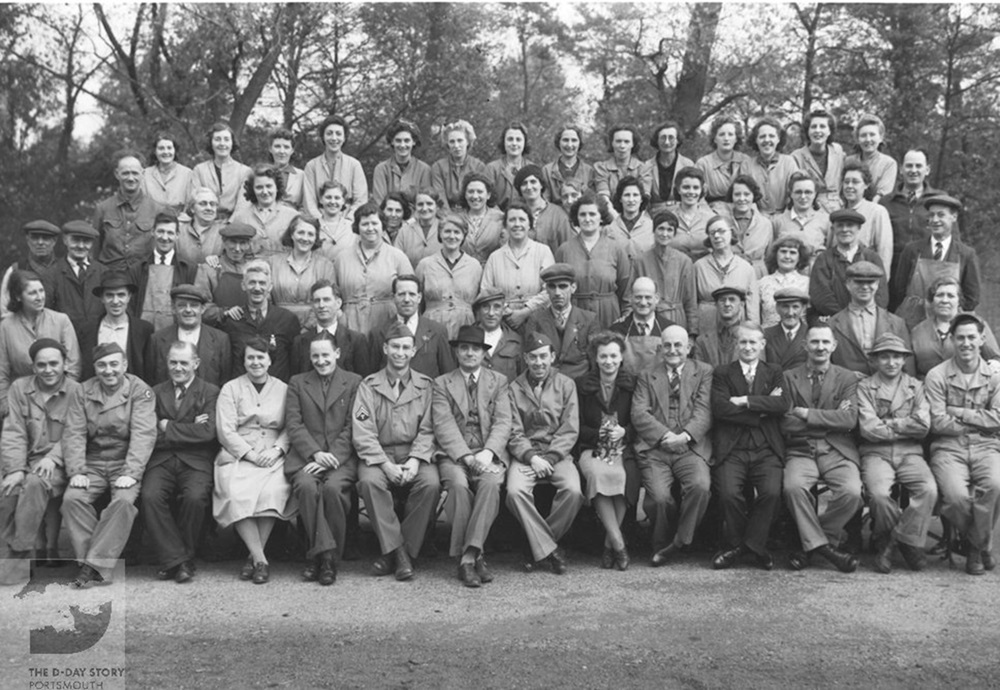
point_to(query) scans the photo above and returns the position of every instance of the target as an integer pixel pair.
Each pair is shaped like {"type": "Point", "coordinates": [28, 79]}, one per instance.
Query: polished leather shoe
{"type": "Point", "coordinates": [327, 570]}
{"type": "Point", "coordinates": [184, 573]}
{"type": "Point", "coordinates": [167, 573]}
{"type": "Point", "coordinates": [246, 572]}
{"type": "Point", "coordinates": [798, 560]}
{"type": "Point", "coordinates": [482, 571]}
{"type": "Point", "coordinates": [404, 568]}
{"type": "Point", "coordinates": [974, 562]}
{"type": "Point", "coordinates": [86, 576]}
{"type": "Point", "coordinates": [557, 560]}
{"type": "Point", "coordinates": [989, 562]}
{"type": "Point", "coordinates": [915, 558]}
{"type": "Point", "coordinates": [310, 571]}
{"type": "Point", "coordinates": [765, 561]}
{"type": "Point", "coordinates": [261, 573]}
{"type": "Point", "coordinates": [844, 562]}
{"type": "Point", "coordinates": [467, 574]}
{"type": "Point", "coordinates": [883, 559]}
{"type": "Point", "coordinates": [384, 565]}
{"type": "Point", "coordinates": [622, 560]}
{"type": "Point", "coordinates": [663, 555]}
{"type": "Point", "coordinates": [608, 558]}
{"type": "Point", "coordinates": [727, 559]}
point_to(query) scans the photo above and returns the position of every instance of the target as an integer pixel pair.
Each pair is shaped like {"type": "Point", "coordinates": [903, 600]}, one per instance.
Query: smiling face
{"type": "Point", "coordinates": [890, 364]}
{"type": "Point", "coordinates": [165, 153]}
{"type": "Point", "coordinates": [33, 297]}
{"type": "Point", "coordinates": [513, 142]}
{"type": "Point", "coordinates": [370, 230]}
{"type": "Point", "coordinates": [539, 362]}
{"type": "Point", "coordinates": [407, 298]}
{"type": "Point", "coordinates": [235, 248]}
{"type": "Point", "coordinates": [790, 313]}
{"type": "Point", "coordinates": [742, 198]}
{"type": "Point", "coordinates": [749, 345]}
{"type": "Point", "coordinates": [787, 259]}
{"type": "Point", "coordinates": [398, 353]}
{"type": "Point", "coordinates": [915, 169]}
{"type": "Point", "coordinates": [674, 346]}
{"type": "Point", "coordinates": [129, 175]}
{"type": "Point", "coordinates": [516, 223]}
{"type": "Point", "coordinates": [402, 146]}
{"type": "Point", "coordinates": [569, 143]}
{"type": "Point", "coordinates": [303, 236]}
{"type": "Point", "coordinates": [332, 202]}
{"type": "Point", "coordinates": [767, 140]}
{"type": "Point", "coordinates": [188, 312]}
{"type": "Point", "coordinates": [490, 314]}
{"type": "Point", "coordinates": [256, 364]}
{"type": "Point", "coordinates": [664, 233]}
{"type": "Point", "coordinates": [394, 213]}
{"type": "Point", "coordinates": [425, 209]}
{"type": "Point", "coordinates": [819, 131]}
{"type": "Point", "coordinates": [78, 247]}
{"type": "Point", "coordinates": [257, 286]}
{"type": "Point", "coordinates": [609, 359]}
{"type": "Point", "coordinates": [182, 364]}
{"type": "Point", "coordinates": [281, 151]}
{"type": "Point", "coordinates": [803, 195]}
{"type": "Point", "coordinates": [116, 301]}
{"type": "Point", "coordinates": [853, 186]}
{"type": "Point", "coordinates": [862, 291]}
{"type": "Point", "coordinates": [967, 341]}
{"type": "Point", "coordinates": [869, 138]}
{"type": "Point", "coordinates": [531, 188]}
{"type": "Point", "coordinates": [846, 233]}
{"type": "Point", "coordinates": [820, 345]}
{"type": "Point", "coordinates": [110, 370]}
{"type": "Point", "coordinates": [333, 138]}
{"type": "Point", "coordinates": [689, 190]}
{"type": "Point", "coordinates": [941, 220]}
{"type": "Point", "coordinates": [49, 367]}
{"type": "Point", "coordinates": [644, 298]}
{"type": "Point", "coordinates": [206, 208]}
{"type": "Point", "coordinates": [165, 237]}
{"type": "Point", "coordinates": [323, 354]}
{"type": "Point", "coordinates": [451, 236]}
{"type": "Point", "coordinates": [266, 191]}
{"type": "Point", "coordinates": [222, 144]}
{"type": "Point", "coordinates": [326, 306]}
{"type": "Point", "coordinates": [476, 195]}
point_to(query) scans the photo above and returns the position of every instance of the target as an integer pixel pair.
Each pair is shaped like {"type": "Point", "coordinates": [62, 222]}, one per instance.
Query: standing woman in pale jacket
{"type": "Point", "coordinates": [768, 166]}
{"type": "Point", "coordinates": [822, 158]}
{"type": "Point", "coordinates": [167, 182]}
{"type": "Point", "coordinates": [514, 148]}
{"type": "Point", "coordinates": [725, 163]}
{"type": "Point", "coordinates": [333, 164]}
{"type": "Point", "coordinates": [869, 135]}
{"type": "Point", "coordinates": [223, 174]}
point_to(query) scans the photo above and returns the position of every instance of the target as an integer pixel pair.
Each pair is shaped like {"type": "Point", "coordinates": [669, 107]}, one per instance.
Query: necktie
{"type": "Point", "coordinates": [163, 258]}
{"type": "Point", "coordinates": [911, 196]}
{"type": "Point", "coordinates": [750, 377]}
{"type": "Point", "coordinates": [255, 317]}
{"type": "Point", "coordinates": [817, 385]}
{"type": "Point", "coordinates": [398, 388]}
{"type": "Point", "coordinates": [561, 320]}
{"type": "Point", "coordinates": [81, 267]}
{"type": "Point", "coordinates": [938, 250]}
{"type": "Point", "coordinates": [675, 384]}
{"type": "Point", "coordinates": [473, 387]}
{"type": "Point", "coordinates": [179, 392]}
{"type": "Point", "coordinates": [642, 325]}
{"type": "Point", "coordinates": [790, 335]}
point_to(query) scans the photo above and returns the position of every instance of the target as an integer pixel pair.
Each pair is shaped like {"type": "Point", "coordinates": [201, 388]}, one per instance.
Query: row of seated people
{"type": "Point", "coordinates": [300, 447]}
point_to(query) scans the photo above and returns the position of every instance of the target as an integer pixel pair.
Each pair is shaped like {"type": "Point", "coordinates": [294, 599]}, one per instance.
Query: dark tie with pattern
{"type": "Point", "coordinates": [816, 378]}
{"type": "Point", "coordinates": [641, 325]}
{"type": "Point", "coordinates": [938, 250]}
{"type": "Point", "coordinates": [675, 384]}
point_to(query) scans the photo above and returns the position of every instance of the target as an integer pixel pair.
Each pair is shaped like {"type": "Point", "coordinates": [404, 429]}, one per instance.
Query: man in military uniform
{"type": "Point", "coordinates": [894, 417]}
{"type": "Point", "coordinates": [110, 433]}
{"type": "Point", "coordinates": [394, 436]}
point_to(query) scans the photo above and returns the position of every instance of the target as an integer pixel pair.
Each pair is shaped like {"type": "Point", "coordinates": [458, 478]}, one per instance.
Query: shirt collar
{"type": "Point", "coordinates": [857, 309]}
{"type": "Point", "coordinates": [945, 245]}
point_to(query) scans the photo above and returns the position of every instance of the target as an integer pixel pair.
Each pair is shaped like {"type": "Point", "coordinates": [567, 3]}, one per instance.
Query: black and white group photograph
{"type": "Point", "coordinates": [499, 345]}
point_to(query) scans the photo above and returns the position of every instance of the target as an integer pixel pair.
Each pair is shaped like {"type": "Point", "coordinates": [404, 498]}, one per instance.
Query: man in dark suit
{"type": "Point", "coordinates": [117, 325]}
{"type": "Point", "coordinates": [828, 291]}
{"type": "Point", "coordinates": [717, 346]}
{"type": "Point", "coordinates": [472, 424]}
{"type": "Point", "coordinates": [261, 319]}
{"type": "Point", "coordinates": [641, 327]}
{"type": "Point", "coordinates": [818, 430]}
{"type": "Point", "coordinates": [862, 321]}
{"type": "Point", "coordinates": [672, 415]}
{"type": "Point", "coordinates": [504, 353]}
{"type": "Point", "coordinates": [214, 352]}
{"type": "Point", "coordinates": [923, 261]}
{"type": "Point", "coordinates": [180, 468]}
{"type": "Point", "coordinates": [70, 282]}
{"type": "Point", "coordinates": [433, 355]}
{"type": "Point", "coordinates": [568, 327]}
{"type": "Point", "coordinates": [747, 404]}
{"type": "Point", "coordinates": [353, 346]}
{"type": "Point", "coordinates": [321, 464]}
{"type": "Point", "coordinates": [786, 342]}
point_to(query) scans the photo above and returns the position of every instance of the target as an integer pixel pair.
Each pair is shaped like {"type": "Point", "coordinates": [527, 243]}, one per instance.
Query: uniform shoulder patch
{"type": "Point", "coordinates": [362, 414]}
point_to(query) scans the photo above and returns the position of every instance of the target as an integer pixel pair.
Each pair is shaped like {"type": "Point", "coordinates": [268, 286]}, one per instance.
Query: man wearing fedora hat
{"type": "Point", "coordinates": [213, 346]}
{"type": "Point", "coordinates": [567, 327]}
{"type": "Point", "coordinates": [504, 352]}
{"type": "Point", "coordinates": [472, 424]}
{"type": "Point", "coordinates": [718, 346]}
{"type": "Point", "coordinates": [117, 325]}
{"type": "Point", "coordinates": [857, 325]}
{"type": "Point", "coordinates": [786, 341]}
{"type": "Point", "coordinates": [70, 282]}
{"type": "Point", "coordinates": [159, 271]}
{"type": "Point", "coordinates": [964, 397]}
{"type": "Point", "coordinates": [110, 433]}
{"type": "Point", "coordinates": [941, 255]}
{"type": "Point", "coordinates": [827, 280]}
{"type": "Point", "coordinates": [546, 426]}
{"type": "Point", "coordinates": [41, 237]}
{"type": "Point", "coordinates": [893, 418]}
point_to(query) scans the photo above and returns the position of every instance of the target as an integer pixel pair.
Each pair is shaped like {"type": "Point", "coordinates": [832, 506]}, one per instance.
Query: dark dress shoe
{"type": "Point", "coordinates": [974, 562]}
{"type": "Point", "coordinates": [798, 560]}
{"type": "Point", "coordinates": [844, 562]}
{"type": "Point", "coordinates": [86, 576]}
{"type": "Point", "coordinates": [765, 561]}
{"type": "Point", "coordinates": [727, 559]}
{"type": "Point", "coordinates": [557, 560]}
{"type": "Point", "coordinates": [404, 568]}
{"type": "Point", "coordinates": [988, 561]}
{"type": "Point", "coordinates": [184, 572]}
{"type": "Point", "coordinates": [384, 565]}
{"type": "Point", "coordinates": [167, 573]}
{"type": "Point", "coordinates": [915, 558]}
{"type": "Point", "coordinates": [310, 571]}
{"type": "Point", "coordinates": [883, 558]}
{"type": "Point", "coordinates": [622, 560]}
{"type": "Point", "coordinates": [663, 555]}
{"type": "Point", "coordinates": [608, 558]}
{"type": "Point", "coordinates": [246, 572]}
{"type": "Point", "coordinates": [482, 571]}
{"type": "Point", "coordinates": [467, 574]}
{"type": "Point", "coordinates": [261, 573]}
{"type": "Point", "coordinates": [327, 570]}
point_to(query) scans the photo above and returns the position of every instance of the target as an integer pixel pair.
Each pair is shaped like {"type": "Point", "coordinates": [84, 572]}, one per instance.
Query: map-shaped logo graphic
{"type": "Point", "coordinates": [88, 627]}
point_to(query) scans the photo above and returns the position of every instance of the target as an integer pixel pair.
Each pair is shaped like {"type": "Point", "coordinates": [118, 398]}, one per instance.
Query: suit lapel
{"type": "Point", "coordinates": [569, 335]}
{"type": "Point", "coordinates": [315, 389]}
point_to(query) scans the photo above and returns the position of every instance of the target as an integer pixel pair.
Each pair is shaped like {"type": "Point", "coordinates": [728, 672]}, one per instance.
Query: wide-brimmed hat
{"type": "Point", "coordinates": [889, 342]}
{"type": "Point", "coordinates": [471, 335]}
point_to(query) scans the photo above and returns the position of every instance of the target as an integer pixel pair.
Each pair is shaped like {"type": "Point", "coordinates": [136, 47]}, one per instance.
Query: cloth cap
{"type": "Point", "coordinates": [114, 279]}
{"type": "Point", "coordinates": [487, 297]}
{"type": "Point", "coordinates": [791, 294]}
{"type": "Point", "coordinates": [942, 200]}
{"type": "Point", "coordinates": [166, 215]}
{"type": "Point", "coordinates": [189, 291]}
{"type": "Point", "coordinates": [728, 290]}
{"type": "Point", "coordinates": [889, 342]}
{"type": "Point", "coordinates": [80, 227]}
{"type": "Point", "coordinates": [44, 343]}
{"type": "Point", "coordinates": [847, 215]}
{"type": "Point", "coordinates": [42, 226]}
{"type": "Point", "coordinates": [556, 272]}
{"type": "Point", "coordinates": [238, 231]}
{"type": "Point", "coordinates": [864, 270]}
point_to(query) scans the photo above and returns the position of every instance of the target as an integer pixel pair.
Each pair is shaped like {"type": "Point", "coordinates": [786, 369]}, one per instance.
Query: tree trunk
{"type": "Point", "coordinates": [244, 103]}
{"type": "Point", "coordinates": [692, 83]}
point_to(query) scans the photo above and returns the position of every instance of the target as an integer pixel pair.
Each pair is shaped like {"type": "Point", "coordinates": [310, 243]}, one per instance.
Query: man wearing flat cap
{"type": "Point", "coordinates": [31, 453]}
{"type": "Point", "coordinates": [551, 227]}
{"type": "Point", "coordinates": [893, 418]}
{"type": "Point", "coordinates": [41, 237]}
{"type": "Point", "coordinates": [212, 345]}
{"type": "Point", "coordinates": [124, 221]}
{"type": "Point", "coordinates": [568, 327]}
{"type": "Point", "coordinates": [717, 346]}
{"type": "Point", "coordinates": [117, 325]}
{"type": "Point", "coordinates": [964, 397]}
{"type": "Point", "coordinates": [110, 433]}
{"type": "Point", "coordinates": [546, 425]}
{"type": "Point", "coordinates": [70, 282]}
{"type": "Point", "coordinates": [225, 276]}
{"type": "Point", "coordinates": [393, 433]}
{"type": "Point", "coordinates": [472, 424]}
{"type": "Point", "coordinates": [504, 352]}
{"type": "Point", "coordinates": [827, 279]}
{"type": "Point", "coordinates": [786, 341]}
{"type": "Point", "coordinates": [857, 325]}
{"type": "Point", "coordinates": [940, 256]}
{"type": "Point", "coordinates": [159, 271]}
